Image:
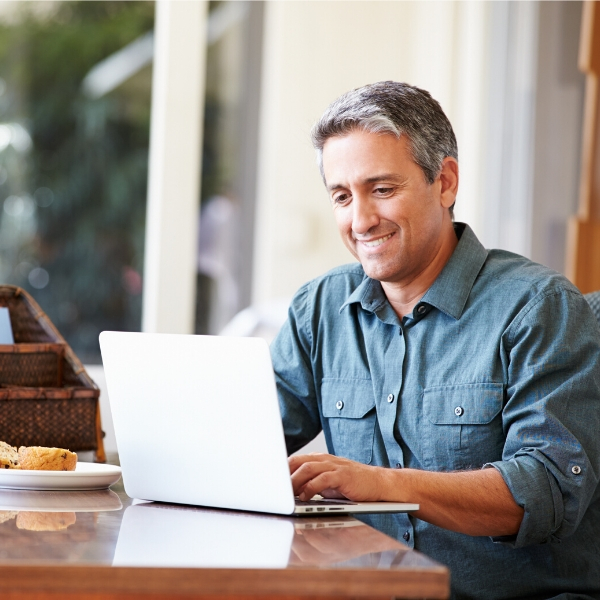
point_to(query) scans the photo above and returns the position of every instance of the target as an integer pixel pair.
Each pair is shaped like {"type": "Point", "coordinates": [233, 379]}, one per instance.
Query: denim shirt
{"type": "Point", "coordinates": [496, 367]}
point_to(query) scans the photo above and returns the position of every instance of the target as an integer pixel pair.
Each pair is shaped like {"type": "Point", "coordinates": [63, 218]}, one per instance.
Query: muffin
{"type": "Point", "coordinates": [39, 458]}
{"type": "Point", "coordinates": [9, 459]}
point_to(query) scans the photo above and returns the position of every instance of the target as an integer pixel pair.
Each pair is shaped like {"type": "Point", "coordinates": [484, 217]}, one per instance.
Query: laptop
{"type": "Point", "coordinates": [197, 422]}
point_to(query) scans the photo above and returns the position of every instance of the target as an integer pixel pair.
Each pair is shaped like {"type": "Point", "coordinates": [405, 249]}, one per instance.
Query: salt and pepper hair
{"type": "Point", "coordinates": [394, 108]}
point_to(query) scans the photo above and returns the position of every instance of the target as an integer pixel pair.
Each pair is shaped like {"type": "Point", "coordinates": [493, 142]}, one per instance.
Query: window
{"type": "Point", "coordinates": [225, 248]}
{"type": "Point", "coordinates": [74, 129]}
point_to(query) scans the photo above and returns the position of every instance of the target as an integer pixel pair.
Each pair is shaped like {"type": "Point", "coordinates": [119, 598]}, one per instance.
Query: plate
{"type": "Point", "coordinates": [86, 476]}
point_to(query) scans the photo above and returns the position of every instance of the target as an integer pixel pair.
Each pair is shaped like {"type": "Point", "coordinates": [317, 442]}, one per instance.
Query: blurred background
{"type": "Point", "coordinates": [156, 171]}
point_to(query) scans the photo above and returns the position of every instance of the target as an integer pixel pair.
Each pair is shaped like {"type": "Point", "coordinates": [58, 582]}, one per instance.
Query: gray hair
{"type": "Point", "coordinates": [395, 108]}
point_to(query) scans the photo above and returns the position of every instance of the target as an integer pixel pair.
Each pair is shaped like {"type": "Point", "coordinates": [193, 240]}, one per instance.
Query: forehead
{"type": "Point", "coordinates": [364, 155]}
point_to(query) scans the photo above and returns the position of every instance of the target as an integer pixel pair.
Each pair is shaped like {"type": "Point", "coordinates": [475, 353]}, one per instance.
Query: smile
{"type": "Point", "coordinates": [378, 242]}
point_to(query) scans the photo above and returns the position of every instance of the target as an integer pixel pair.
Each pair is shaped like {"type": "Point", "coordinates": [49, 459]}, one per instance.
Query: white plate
{"type": "Point", "coordinates": [86, 476]}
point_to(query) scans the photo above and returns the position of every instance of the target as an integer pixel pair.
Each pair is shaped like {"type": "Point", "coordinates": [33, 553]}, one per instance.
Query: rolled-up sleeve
{"type": "Point", "coordinates": [551, 458]}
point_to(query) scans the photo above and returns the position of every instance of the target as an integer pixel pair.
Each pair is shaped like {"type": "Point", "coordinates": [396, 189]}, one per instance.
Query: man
{"type": "Point", "coordinates": [441, 373]}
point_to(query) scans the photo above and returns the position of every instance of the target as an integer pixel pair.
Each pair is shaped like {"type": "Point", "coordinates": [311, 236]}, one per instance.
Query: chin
{"type": "Point", "coordinates": [382, 275]}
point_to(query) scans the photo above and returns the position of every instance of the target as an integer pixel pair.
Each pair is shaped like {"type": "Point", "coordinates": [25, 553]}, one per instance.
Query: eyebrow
{"type": "Point", "coordinates": [383, 177]}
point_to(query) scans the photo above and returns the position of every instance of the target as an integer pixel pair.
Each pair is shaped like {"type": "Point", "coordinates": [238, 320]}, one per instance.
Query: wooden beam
{"type": "Point", "coordinates": [583, 254]}
{"type": "Point", "coordinates": [583, 233]}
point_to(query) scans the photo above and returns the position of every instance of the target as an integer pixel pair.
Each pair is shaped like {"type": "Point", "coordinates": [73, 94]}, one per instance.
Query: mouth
{"type": "Point", "coordinates": [377, 242]}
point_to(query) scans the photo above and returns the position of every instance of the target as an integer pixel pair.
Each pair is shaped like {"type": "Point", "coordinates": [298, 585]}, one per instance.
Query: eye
{"type": "Point", "coordinates": [341, 199]}
{"type": "Point", "coordinates": [384, 191]}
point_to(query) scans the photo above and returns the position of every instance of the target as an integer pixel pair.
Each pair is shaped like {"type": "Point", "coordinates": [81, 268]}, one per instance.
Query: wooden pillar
{"type": "Point", "coordinates": [583, 234]}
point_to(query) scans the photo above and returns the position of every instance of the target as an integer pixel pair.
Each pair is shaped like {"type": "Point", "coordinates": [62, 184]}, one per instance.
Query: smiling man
{"type": "Point", "coordinates": [441, 373]}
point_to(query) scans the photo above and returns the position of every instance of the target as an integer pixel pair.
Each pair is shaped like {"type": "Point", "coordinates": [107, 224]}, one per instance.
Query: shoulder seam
{"type": "Point", "coordinates": [531, 305]}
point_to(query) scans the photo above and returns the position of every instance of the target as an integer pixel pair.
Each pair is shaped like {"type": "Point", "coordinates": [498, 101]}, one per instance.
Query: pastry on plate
{"type": "Point", "coordinates": [38, 458]}
{"type": "Point", "coordinates": [9, 459]}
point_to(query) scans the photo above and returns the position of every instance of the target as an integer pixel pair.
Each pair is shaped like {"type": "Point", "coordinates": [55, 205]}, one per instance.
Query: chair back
{"type": "Point", "coordinates": [593, 299]}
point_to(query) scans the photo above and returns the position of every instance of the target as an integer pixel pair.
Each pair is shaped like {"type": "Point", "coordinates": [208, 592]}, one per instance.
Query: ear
{"type": "Point", "coordinates": [448, 178]}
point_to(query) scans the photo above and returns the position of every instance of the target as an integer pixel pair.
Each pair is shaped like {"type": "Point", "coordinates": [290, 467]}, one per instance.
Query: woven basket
{"type": "Point", "coordinates": [46, 396]}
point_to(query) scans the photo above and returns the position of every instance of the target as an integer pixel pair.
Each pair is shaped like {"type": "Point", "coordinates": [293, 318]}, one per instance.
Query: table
{"type": "Point", "coordinates": [101, 545]}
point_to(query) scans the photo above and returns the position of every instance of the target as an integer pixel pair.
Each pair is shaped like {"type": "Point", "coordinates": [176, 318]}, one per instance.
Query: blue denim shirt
{"type": "Point", "coordinates": [496, 367]}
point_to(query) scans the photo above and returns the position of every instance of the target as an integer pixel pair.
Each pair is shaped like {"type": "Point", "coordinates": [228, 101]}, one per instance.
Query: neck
{"type": "Point", "coordinates": [403, 296]}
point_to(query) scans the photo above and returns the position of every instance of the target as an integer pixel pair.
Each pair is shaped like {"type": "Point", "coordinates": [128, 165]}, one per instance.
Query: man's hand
{"type": "Point", "coordinates": [472, 502]}
{"type": "Point", "coordinates": [334, 477]}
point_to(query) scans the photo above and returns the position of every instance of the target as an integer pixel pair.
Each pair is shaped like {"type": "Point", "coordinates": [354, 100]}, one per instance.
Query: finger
{"type": "Point", "coordinates": [333, 494]}
{"type": "Point", "coordinates": [323, 481]}
{"type": "Point", "coordinates": [295, 462]}
{"type": "Point", "coordinates": [333, 462]}
{"type": "Point", "coordinates": [306, 472]}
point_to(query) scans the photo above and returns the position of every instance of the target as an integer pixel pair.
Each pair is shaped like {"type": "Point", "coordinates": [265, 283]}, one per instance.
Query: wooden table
{"type": "Point", "coordinates": [102, 546]}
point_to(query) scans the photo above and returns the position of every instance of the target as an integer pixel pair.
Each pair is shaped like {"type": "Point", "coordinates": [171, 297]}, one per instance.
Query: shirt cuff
{"type": "Point", "coordinates": [537, 492]}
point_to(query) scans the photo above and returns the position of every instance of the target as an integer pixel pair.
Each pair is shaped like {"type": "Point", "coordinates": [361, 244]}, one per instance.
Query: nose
{"type": "Point", "coordinates": [364, 216]}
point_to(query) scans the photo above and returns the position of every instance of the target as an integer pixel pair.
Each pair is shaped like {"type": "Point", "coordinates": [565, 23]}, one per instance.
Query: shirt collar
{"type": "Point", "coordinates": [369, 294]}
{"type": "Point", "coordinates": [449, 292]}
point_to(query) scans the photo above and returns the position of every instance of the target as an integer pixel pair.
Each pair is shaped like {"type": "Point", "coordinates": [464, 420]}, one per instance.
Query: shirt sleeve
{"type": "Point", "coordinates": [551, 458]}
{"type": "Point", "coordinates": [290, 352]}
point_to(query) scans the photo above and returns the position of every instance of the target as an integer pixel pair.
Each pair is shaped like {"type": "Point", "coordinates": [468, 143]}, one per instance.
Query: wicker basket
{"type": "Point", "coordinates": [46, 396]}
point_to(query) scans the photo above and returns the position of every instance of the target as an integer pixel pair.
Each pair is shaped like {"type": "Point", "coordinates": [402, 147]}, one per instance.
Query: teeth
{"type": "Point", "coordinates": [377, 242]}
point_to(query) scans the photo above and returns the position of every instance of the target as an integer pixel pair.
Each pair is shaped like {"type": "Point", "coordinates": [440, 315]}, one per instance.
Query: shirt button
{"type": "Point", "coordinates": [406, 536]}
{"type": "Point", "coordinates": [339, 405]}
{"type": "Point", "coordinates": [390, 398]}
{"type": "Point", "coordinates": [398, 466]}
{"type": "Point", "coordinates": [458, 411]}
{"type": "Point", "coordinates": [421, 309]}
{"type": "Point", "coordinates": [576, 470]}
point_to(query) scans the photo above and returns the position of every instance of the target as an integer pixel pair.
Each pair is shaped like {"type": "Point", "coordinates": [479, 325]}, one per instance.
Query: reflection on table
{"type": "Point", "coordinates": [155, 535]}
{"type": "Point", "coordinates": [58, 501]}
{"type": "Point", "coordinates": [83, 545]}
{"type": "Point", "coordinates": [51, 525]}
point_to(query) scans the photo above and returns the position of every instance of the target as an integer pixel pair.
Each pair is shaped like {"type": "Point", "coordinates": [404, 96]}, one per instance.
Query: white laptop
{"type": "Point", "coordinates": [197, 422]}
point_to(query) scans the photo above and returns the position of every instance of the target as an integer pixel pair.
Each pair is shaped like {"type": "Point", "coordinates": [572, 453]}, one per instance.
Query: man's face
{"type": "Point", "coordinates": [389, 217]}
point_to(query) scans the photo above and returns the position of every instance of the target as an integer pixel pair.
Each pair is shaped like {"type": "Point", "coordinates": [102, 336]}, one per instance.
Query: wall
{"type": "Point", "coordinates": [313, 52]}
{"type": "Point", "coordinates": [504, 72]}
{"type": "Point", "coordinates": [534, 109]}
{"type": "Point", "coordinates": [559, 113]}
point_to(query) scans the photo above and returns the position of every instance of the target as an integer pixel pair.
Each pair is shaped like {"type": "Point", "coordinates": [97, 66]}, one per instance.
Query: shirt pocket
{"type": "Point", "coordinates": [463, 426]}
{"type": "Point", "coordinates": [349, 411]}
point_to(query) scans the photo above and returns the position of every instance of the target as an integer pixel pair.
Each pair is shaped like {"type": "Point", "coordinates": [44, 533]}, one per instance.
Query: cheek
{"type": "Point", "coordinates": [343, 220]}
{"type": "Point", "coordinates": [420, 216]}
